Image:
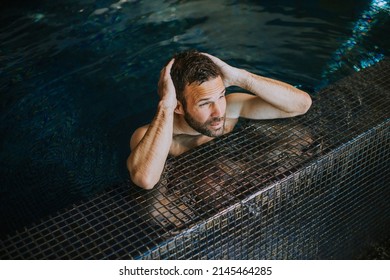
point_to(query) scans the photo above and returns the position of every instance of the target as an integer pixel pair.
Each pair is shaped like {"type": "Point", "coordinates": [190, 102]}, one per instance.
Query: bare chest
{"type": "Point", "coordinates": [182, 143]}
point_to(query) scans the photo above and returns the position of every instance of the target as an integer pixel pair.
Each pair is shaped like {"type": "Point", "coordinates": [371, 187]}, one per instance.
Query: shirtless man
{"type": "Point", "coordinates": [193, 109]}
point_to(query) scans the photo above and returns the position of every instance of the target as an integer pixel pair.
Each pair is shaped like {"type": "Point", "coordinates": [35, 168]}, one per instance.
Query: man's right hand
{"type": "Point", "coordinates": [166, 89]}
{"type": "Point", "coordinates": [151, 143]}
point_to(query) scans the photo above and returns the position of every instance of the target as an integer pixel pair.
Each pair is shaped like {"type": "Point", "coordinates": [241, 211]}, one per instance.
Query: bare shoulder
{"type": "Point", "coordinates": [137, 136]}
{"type": "Point", "coordinates": [235, 102]}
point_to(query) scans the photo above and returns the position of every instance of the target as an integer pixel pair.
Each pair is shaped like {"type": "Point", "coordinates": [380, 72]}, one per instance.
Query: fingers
{"type": "Point", "coordinates": [228, 72]}
{"type": "Point", "coordinates": [169, 65]}
{"type": "Point", "coordinates": [213, 58]}
{"type": "Point", "coordinates": [165, 84]}
{"type": "Point", "coordinates": [167, 69]}
{"type": "Point", "coordinates": [216, 60]}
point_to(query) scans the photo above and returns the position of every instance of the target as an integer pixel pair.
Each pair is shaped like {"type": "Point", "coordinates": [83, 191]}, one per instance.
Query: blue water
{"type": "Point", "coordinates": [78, 77]}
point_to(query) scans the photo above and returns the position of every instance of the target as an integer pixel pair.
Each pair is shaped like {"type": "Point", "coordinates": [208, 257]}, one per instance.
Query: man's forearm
{"type": "Point", "coordinates": [146, 162]}
{"type": "Point", "coordinates": [279, 94]}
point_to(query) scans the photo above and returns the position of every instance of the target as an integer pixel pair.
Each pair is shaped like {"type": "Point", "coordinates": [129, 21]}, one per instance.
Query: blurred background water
{"type": "Point", "coordinates": [77, 77]}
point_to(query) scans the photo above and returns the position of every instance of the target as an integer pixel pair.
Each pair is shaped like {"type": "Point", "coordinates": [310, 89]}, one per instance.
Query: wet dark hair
{"type": "Point", "coordinates": [191, 67]}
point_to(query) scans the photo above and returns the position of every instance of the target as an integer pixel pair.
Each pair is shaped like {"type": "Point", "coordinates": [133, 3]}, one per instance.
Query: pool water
{"type": "Point", "coordinates": [78, 77]}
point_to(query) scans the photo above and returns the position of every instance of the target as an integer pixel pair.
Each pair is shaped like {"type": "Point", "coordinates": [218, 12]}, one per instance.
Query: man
{"type": "Point", "coordinates": [193, 109]}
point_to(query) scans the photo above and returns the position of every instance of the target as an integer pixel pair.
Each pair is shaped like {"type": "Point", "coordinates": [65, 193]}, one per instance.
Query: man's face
{"type": "Point", "coordinates": [206, 107]}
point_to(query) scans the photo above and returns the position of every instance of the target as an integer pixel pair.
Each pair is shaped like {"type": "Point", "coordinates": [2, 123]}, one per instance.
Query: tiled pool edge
{"type": "Point", "coordinates": [316, 240]}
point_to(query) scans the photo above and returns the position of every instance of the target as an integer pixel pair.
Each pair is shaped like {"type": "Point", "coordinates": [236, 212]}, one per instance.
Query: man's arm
{"type": "Point", "coordinates": [274, 99]}
{"type": "Point", "coordinates": [150, 145]}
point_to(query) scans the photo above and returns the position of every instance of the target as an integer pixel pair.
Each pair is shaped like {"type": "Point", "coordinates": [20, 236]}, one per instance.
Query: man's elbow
{"type": "Point", "coordinates": [144, 182]}
{"type": "Point", "coordinates": [306, 104]}
{"type": "Point", "coordinates": [303, 106]}
{"type": "Point", "coordinates": [141, 176]}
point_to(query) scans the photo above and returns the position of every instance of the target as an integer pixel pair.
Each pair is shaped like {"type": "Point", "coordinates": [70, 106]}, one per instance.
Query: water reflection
{"type": "Point", "coordinates": [351, 54]}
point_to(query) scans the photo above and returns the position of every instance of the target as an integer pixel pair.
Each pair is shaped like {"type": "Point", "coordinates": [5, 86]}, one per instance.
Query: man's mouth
{"type": "Point", "coordinates": [216, 123]}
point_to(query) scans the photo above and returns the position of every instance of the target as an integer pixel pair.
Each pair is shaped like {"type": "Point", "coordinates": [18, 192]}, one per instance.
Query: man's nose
{"type": "Point", "coordinates": [216, 110]}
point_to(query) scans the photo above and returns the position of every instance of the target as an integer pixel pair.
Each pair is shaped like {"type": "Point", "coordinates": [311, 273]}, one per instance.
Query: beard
{"type": "Point", "coordinates": [205, 128]}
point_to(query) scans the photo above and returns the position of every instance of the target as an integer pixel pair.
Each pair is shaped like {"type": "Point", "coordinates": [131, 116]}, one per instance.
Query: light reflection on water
{"type": "Point", "coordinates": [368, 19]}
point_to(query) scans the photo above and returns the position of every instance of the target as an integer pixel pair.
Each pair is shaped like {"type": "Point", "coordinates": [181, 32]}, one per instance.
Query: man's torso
{"type": "Point", "coordinates": [183, 142]}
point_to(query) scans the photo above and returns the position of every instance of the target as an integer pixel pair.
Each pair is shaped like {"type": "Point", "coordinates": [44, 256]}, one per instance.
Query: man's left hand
{"type": "Point", "coordinates": [231, 76]}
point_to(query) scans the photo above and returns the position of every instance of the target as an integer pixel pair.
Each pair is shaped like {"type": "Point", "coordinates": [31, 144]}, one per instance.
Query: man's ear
{"type": "Point", "coordinates": [179, 108]}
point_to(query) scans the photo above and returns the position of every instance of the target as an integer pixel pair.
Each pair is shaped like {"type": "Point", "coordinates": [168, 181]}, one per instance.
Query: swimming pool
{"type": "Point", "coordinates": [76, 79]}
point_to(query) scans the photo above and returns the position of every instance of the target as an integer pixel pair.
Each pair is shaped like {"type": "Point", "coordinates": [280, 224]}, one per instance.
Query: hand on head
{"type": "Point", "coordinates": [166, 89]}
{"type": "Point", "coordinates": [229, 73]}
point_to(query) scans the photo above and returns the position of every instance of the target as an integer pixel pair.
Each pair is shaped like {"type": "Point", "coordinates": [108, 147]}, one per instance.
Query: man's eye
{"type": "Point", "coordinates": [203, 104]}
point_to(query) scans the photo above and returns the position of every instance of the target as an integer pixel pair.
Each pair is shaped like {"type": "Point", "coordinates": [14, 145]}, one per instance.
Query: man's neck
{"type": "Point", "coordinates": [180, 127]}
